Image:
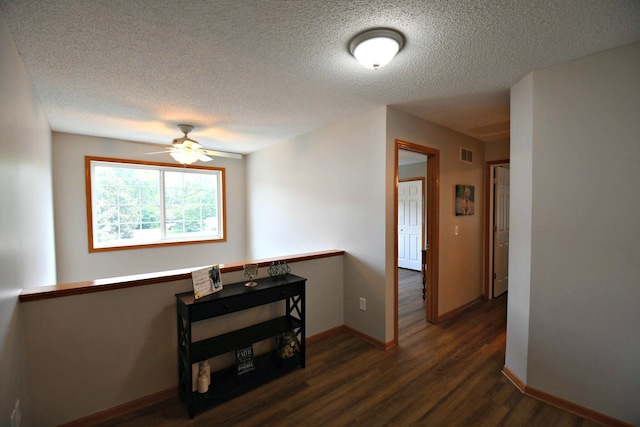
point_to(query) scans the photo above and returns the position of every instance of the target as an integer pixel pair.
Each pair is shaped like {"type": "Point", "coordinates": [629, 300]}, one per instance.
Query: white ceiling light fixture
{"type": "Point", "coordinates": [187, 151]}
{"type": "Point", "coordinates": [376, 48]}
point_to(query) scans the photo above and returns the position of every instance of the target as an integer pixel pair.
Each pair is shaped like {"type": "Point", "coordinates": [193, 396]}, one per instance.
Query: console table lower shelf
{"type": "Point", "coordinates": [227, 383]}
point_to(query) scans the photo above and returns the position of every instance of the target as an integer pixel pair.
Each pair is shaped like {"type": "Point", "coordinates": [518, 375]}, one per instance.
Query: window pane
{"type": "Point", "coordinates": [107, 195]}
{"type": "Point", "coordinates": [150, 196]}
{"type": "Point", "coordinates": [126, 231]}
{"type": "Point", "coordinates": [105, 174]}
{"type": "Point", "coordinates": [150, 214]}
{"type": "Point", "coordinates": [174, 228]}
{"type": "Point", "coordinates": [174, 213]}
{"type": "Point", "coordinates": [192, 226]}
{"type": "Point", "coordinates": [106, 233]}
{"type": "Point", "coordinates": [191, 200]}
{"type": "Point", "coordinates": [129, 214]}
{"type": "Point", "coordinates": [127, 199]}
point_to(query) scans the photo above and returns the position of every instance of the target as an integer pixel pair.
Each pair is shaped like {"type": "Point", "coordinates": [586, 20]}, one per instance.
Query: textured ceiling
{"type": "Point", "coordinates": [251, 73]}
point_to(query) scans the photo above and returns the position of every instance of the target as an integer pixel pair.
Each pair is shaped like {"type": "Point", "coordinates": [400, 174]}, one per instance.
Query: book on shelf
{"type": "Point", "coordinates": [206, 281]}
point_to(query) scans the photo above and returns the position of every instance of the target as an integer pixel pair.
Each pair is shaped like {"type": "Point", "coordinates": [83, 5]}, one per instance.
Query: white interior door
{"type": "Point", "coordinates": [410, 195]}
{"type": "Point", "coordinates": [501, 232]}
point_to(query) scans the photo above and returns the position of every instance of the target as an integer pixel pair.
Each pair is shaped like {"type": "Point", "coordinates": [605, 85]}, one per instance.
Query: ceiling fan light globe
{"type": "Point", "coordinates": [184, 158]}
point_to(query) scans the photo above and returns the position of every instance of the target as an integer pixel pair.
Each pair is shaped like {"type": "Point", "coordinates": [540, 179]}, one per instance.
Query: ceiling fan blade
{"type": "Point", "coordinates": [221, 154]}
{"type": "Point", "coordinates": [203, 158]}
{"type": "Point", "coordinates": [159, 152]}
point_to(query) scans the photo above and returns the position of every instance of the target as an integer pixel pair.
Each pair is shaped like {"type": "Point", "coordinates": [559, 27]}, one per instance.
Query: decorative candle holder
{"type": "Point", "coordinates": [279, 269]}
{"type": "Point", "coordinates": [250, 271]}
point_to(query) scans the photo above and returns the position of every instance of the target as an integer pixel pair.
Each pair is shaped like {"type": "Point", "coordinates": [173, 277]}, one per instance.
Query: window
{"type": "Point", "coordinates": [132, 204]}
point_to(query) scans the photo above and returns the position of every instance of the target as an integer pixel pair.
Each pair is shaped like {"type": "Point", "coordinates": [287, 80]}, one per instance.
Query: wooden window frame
{"type": "Point", "coordinates": [89, 199]}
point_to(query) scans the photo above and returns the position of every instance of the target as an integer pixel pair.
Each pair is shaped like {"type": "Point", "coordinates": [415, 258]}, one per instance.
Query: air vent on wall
{"type": "Point", "coordinates": [466, 155]}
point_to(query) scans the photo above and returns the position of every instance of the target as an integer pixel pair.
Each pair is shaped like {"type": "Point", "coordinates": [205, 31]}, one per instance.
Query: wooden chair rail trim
{"type": "Point", "coordinates": [563, 404]}
{"type": "Point", "coordinates": [102, 285]}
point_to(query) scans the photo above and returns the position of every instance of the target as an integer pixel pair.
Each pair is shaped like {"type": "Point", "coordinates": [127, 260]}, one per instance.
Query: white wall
{"type": "Point", "coordinates": [333, 188]}
{"type": "Point", "coordinates": [324, 190]}
{"type": "Point", "coordinates": [75, 263]}
{"type": "Point", "coordinates": [584, 322]}
{"type": "Point", "coordinates": [520, 227]}
{"type": "Point", "coordinates": [461, 262]}
{"type": "Point", "coordinates": [413, 170]}
{"type": "Point", "coordinates": [498, 150]}
{"type": "Point", "coordinates": [26, 216]}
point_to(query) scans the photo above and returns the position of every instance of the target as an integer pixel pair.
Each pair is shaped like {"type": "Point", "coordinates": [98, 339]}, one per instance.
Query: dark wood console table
{"type": "Point", "coordinates": [226, 383]}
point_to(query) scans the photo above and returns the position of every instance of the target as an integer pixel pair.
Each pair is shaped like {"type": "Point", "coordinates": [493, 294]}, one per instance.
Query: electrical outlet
{"type": "Point", "coordinates": [363, 304]}
{"type": "Point", "coordinates": [16, 420]}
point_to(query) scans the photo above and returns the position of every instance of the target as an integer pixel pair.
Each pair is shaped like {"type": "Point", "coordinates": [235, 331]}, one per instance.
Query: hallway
{"type": "Point", "coordinates": [447, 374]}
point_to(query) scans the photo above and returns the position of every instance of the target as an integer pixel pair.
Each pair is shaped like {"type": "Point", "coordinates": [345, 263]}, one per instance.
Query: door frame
{"type": "Point", "coordinates": [433, 231]}
{"type": "Point", "coordinates": [422, 198]}
{"type": "Point", "coordinates": [489, 203]}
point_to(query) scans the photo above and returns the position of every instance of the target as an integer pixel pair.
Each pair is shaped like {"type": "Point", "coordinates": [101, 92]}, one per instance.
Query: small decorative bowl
{"type": "Point", "coordinates": [279, 269]}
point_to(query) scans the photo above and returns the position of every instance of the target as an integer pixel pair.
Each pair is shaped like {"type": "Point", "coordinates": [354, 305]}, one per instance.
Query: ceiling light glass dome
{"type": "Point", "coordinates": [376, 48]}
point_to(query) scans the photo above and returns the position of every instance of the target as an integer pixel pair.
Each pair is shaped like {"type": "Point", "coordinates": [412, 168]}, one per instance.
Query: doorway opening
{"type": "Point", "coordinates": [496, 228]}
{"type": "Point", "coordinates": [431, 161]}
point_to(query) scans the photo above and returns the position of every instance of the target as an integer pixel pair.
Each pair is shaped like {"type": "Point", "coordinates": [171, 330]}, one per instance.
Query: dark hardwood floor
{"type": "Point", "coordinates": [447, 374]}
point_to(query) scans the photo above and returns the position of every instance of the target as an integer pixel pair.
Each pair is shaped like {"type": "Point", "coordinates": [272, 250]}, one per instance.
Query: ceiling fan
{"type": "Point", "coordinates": [186, 151]}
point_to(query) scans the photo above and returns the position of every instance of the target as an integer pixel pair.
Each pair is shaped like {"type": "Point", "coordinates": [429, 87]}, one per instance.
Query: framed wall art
{"type": "Point", "coordinates": [465, 200]}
